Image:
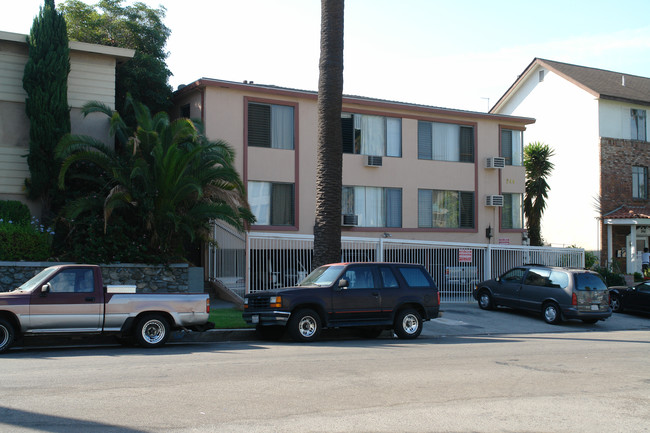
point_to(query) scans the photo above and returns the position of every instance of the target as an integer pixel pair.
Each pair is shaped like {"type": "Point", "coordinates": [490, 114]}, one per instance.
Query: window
{"type": "Point", "coordinates": [360, 277]}
{"type": "Point", "coordinates": [371, 135]}
{"type": "Point", "coordinates": [272, 203]}
{"type": "Point", "coordinates": [414, 277]}
{"type": "Point", "coordinates": [445, 209]}
{"type": "Point", "coordinates": [512, 146]}
{"type": "Point", "coordinates": [185, 111]}
{"type": "Point", "coordinates": [512, 214]}
{"type": "Point", "coordinates": [538, 277]}
{"type": "Point", "coordinates": [270, 125]}
{"type": "Point", "coordinates": [638, 124]}
{"type": "Point", "coordinates": [445, 142]}
{"type": "Point", "coordinates": [73, 281]}
{"type": "Point", "coordinates": [639, 182]}
{"type": "Point", "coordinates": [513, 276]}
{"type": "Point", "coordinates": [374, 206]}
{"type": "Point", "coordinates": [388, 278]}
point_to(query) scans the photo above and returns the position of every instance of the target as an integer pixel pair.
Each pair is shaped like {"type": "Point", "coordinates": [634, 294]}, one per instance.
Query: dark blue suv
{"type": "Point", "coordinates": [371, 296]}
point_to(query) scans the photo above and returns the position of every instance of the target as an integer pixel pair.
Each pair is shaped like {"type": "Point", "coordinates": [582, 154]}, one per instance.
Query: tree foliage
{"type": "Point", "coordinates": [327, 227]}
{"type": "Point", "coordinates": [137, 27]}
{"type": "Point", "coordinates": [168, 183]}
{"type": "Point", "coordinates": [538, 166]}
{"type": "Point", "coordinates": [45, 81]}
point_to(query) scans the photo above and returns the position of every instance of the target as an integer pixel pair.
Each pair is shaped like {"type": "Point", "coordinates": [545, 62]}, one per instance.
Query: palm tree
{"type": "Point", "coordinates": [538, 168]}
{"type": "Point", "coordinates": [327, 227]}
{"type": "Point", "coordinates": [168, 178]}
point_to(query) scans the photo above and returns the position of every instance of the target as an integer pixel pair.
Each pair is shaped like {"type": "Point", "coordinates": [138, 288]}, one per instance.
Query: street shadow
{"type": "Point", "coordinates": [56, 424]}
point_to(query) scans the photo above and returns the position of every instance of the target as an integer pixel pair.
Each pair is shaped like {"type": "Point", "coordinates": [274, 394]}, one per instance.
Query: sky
{"type": "Point", "coordinates": [461, 54]}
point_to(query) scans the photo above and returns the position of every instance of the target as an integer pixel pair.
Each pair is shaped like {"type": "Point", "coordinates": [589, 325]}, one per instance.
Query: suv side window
{"type": "Point", "coordinates": [360, 277]}
{"type": "Point", "coordinates": [537, 277]}
{"type": "Point", "coordinates": [414, 277]}
{"type": "Point", "coordinates": [388, 278]}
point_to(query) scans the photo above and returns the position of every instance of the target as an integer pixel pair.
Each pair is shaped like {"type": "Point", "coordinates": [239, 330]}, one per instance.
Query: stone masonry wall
{"type": "Point", "coordinates": [147, 278]}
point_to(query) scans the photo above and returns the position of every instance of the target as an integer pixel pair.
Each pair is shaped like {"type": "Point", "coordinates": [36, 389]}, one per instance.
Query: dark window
{"type": "Point", "coordinates": [638, 124]}
{"type": "Point", "coordinates": [270, 126]}
{"type": "Point", "coordinates": [414, 277]}
{"type": "Point", "coordinates": [360, 277]}
{"type": "Point", "coordinates": [512, 146]}
{"type": "Point", "coordinates": [590, 282]}
{"type": "Point", "coordinates": [272, 203]}
{"type": "Point", "coordinates": [445, 142]}
{"type": "Point", "coordinates": [445, 209]}
{"type": "Point", "coordinates": [538, 277]}
{"type": "Point", "coordinates": [514, 275]}
{"type": "Point", "coordinates": [388, 278]}
{"type": "Point", "coordinates": [185, 111]}
{"type": "Point", "coordinates": [371, 135]}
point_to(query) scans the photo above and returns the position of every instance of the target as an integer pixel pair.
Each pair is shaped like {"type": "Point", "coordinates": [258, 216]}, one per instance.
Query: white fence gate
{"type": "Point", "coordinates": [264, 261]}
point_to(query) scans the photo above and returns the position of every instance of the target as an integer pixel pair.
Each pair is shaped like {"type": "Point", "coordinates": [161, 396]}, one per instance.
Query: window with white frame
{"type": "Point", "coordinates": [512, 146]}
{"type": "Point", "coordinates": [371, 135]}
{"type": "Point", "coordinates": [445, 142]}
{"type": "Point", "coordinates": [445, 209]}
{"type": "Point", "coordinates": [374, 206]}
{"type": "Point", "coordinates": [639, 182]}
{"type": "Point", "coordinates": [512, 213]}
{"type": "Point", "coordinates": [270, 125]}
{"type": "Point", "coordinates": [638, 124]}
{"type": "Point", "coordinates": [272, 203]}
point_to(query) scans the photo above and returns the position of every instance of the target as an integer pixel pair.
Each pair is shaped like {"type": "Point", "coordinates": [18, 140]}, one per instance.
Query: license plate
{"type": "Point", "coordinates": [255, 319]}
{"type": "Point", "coordinates": [595, 307]}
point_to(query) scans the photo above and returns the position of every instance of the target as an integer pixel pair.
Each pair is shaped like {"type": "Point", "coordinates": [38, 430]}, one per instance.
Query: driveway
{"type": "Point", "coordinates": [469, 319]}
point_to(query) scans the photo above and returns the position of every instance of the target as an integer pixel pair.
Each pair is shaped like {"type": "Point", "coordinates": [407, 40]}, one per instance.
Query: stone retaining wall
{"type": "Point", "coordinates": [147, 278]}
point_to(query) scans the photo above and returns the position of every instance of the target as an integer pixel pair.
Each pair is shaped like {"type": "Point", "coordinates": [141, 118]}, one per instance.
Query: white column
{"type": "Point", "coordinates": [610, 253]}
{"type": "Point", "coordinates": [632, 251]}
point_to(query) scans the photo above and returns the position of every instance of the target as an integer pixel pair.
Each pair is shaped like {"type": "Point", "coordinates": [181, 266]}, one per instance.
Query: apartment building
{"type": "Point", "coordinates": [409, 171]}
{"type": "Point", "coordinates": [91, 78]}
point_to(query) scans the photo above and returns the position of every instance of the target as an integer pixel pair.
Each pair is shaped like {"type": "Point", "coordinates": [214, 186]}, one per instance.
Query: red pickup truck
{"type": "Point", "coordinates": [72, 299]}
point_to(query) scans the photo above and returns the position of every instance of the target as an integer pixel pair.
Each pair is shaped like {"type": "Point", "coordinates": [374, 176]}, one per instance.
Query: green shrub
{"type": "Point", "coordinates": [14, 211]}
{"type": "Point", "coordinates": [611, 278]}
{"type": "Point", "coordinates": [30, 242]}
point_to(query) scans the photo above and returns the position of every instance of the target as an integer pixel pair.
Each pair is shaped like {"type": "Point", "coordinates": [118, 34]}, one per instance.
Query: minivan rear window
{"type": "Point", "coordinates": [589, 282]}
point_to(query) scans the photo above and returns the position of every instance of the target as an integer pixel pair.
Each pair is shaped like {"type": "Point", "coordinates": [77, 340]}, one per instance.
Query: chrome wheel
{"type": "Point", "coordinates": [307, 326]}
{"type": "Point", "coordinates": [408, 324]}
{"type": "Point", "coordinates": [152, 331]}
{"type": "Point", "coordinates": [304, 325]}
{"type": "Point", "coordinates": [6, 335]}
{"type": "Point", "coordinates": [485, 300]}
{"type": "Point", "coordinates": [615, 303]}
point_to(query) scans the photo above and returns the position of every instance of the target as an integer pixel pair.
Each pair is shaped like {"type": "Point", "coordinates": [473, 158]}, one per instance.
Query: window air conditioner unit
{"type": "Point", "coordinates": [494, 200]}
{"type": "Point", "coordinates": [495, 162]}
{"type": "Point", "coordinates": [373, 161]}
{"type": "Point", "coordinates": [349, 220]}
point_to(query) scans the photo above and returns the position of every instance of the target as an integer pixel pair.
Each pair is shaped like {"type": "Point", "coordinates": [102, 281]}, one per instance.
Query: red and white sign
{"type": "Point", "coordinates": [504, 241]}
{"type": "Point", "coordinates": [465, 256]}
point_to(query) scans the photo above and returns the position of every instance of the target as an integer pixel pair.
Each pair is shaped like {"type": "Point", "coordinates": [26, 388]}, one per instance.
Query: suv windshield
{"type": "Point", "coordinates": [323, 276]}
{"type": "Point", "coordinates": [589, 282]}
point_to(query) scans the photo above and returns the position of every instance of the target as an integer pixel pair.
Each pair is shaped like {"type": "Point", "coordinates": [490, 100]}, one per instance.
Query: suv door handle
{"type": "Point", "coordinates": [90, 299]}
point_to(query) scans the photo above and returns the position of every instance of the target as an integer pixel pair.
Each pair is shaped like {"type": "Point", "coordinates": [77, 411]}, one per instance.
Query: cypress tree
{"type": "Point", "coordinates": [45, 80]}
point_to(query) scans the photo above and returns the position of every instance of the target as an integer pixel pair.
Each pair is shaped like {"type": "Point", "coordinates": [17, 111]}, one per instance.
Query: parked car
{"type": "Point", "coordinates": [557, 293]}
{"type": "Point", "coordinates": [635, 298]}
{"type": "Point", "coordinates": [371, 296]}
{"type": "Point", "coordinates": [72, 300]}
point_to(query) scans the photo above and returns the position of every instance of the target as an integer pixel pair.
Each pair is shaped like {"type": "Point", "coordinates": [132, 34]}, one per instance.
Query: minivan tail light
{"type": "Point", "coordinates": [574, 299]}
{"type": "Point", "coordinates": [207, 305]}
{"type": "Point", "coordinates": [438, 297]}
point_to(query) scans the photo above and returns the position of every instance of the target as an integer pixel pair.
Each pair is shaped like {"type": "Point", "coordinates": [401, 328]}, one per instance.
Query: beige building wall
{"type": "Point", "coordinates": [222, 106]}
{"type": "Point", "coordinates": [91, 78]}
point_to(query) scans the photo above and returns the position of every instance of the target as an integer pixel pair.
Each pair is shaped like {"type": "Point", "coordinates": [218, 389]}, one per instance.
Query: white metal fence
{"type": "Point", "coordinates": [264, 261]}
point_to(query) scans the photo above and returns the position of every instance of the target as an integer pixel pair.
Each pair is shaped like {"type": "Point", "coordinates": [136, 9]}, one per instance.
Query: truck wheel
{"type": "Point", "coordinates": [152, 331]}
{"type": "Point", "coordinates": [304, 325]}
{"type": "Point", "coordinates": [408, 324]}
{"type": "Point", "coordinates": [7, 335]}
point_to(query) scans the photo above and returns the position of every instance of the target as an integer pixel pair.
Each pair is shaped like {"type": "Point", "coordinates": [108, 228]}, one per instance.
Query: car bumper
{"type": "Point", "coordinates": [432, 312]}
{"type": "Point", "coordinates": [266, 317]}
{"type": "Point", "coordinates": [574, 313]}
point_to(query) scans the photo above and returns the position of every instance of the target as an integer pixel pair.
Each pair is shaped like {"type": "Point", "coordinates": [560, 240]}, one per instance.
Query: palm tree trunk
{"type": "Point", "coordinates": [327, 228]}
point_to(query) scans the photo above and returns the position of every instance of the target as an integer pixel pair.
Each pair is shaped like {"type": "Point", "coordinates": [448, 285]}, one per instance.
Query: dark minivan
{"type": "Point", "coordinates": [557, 293]}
